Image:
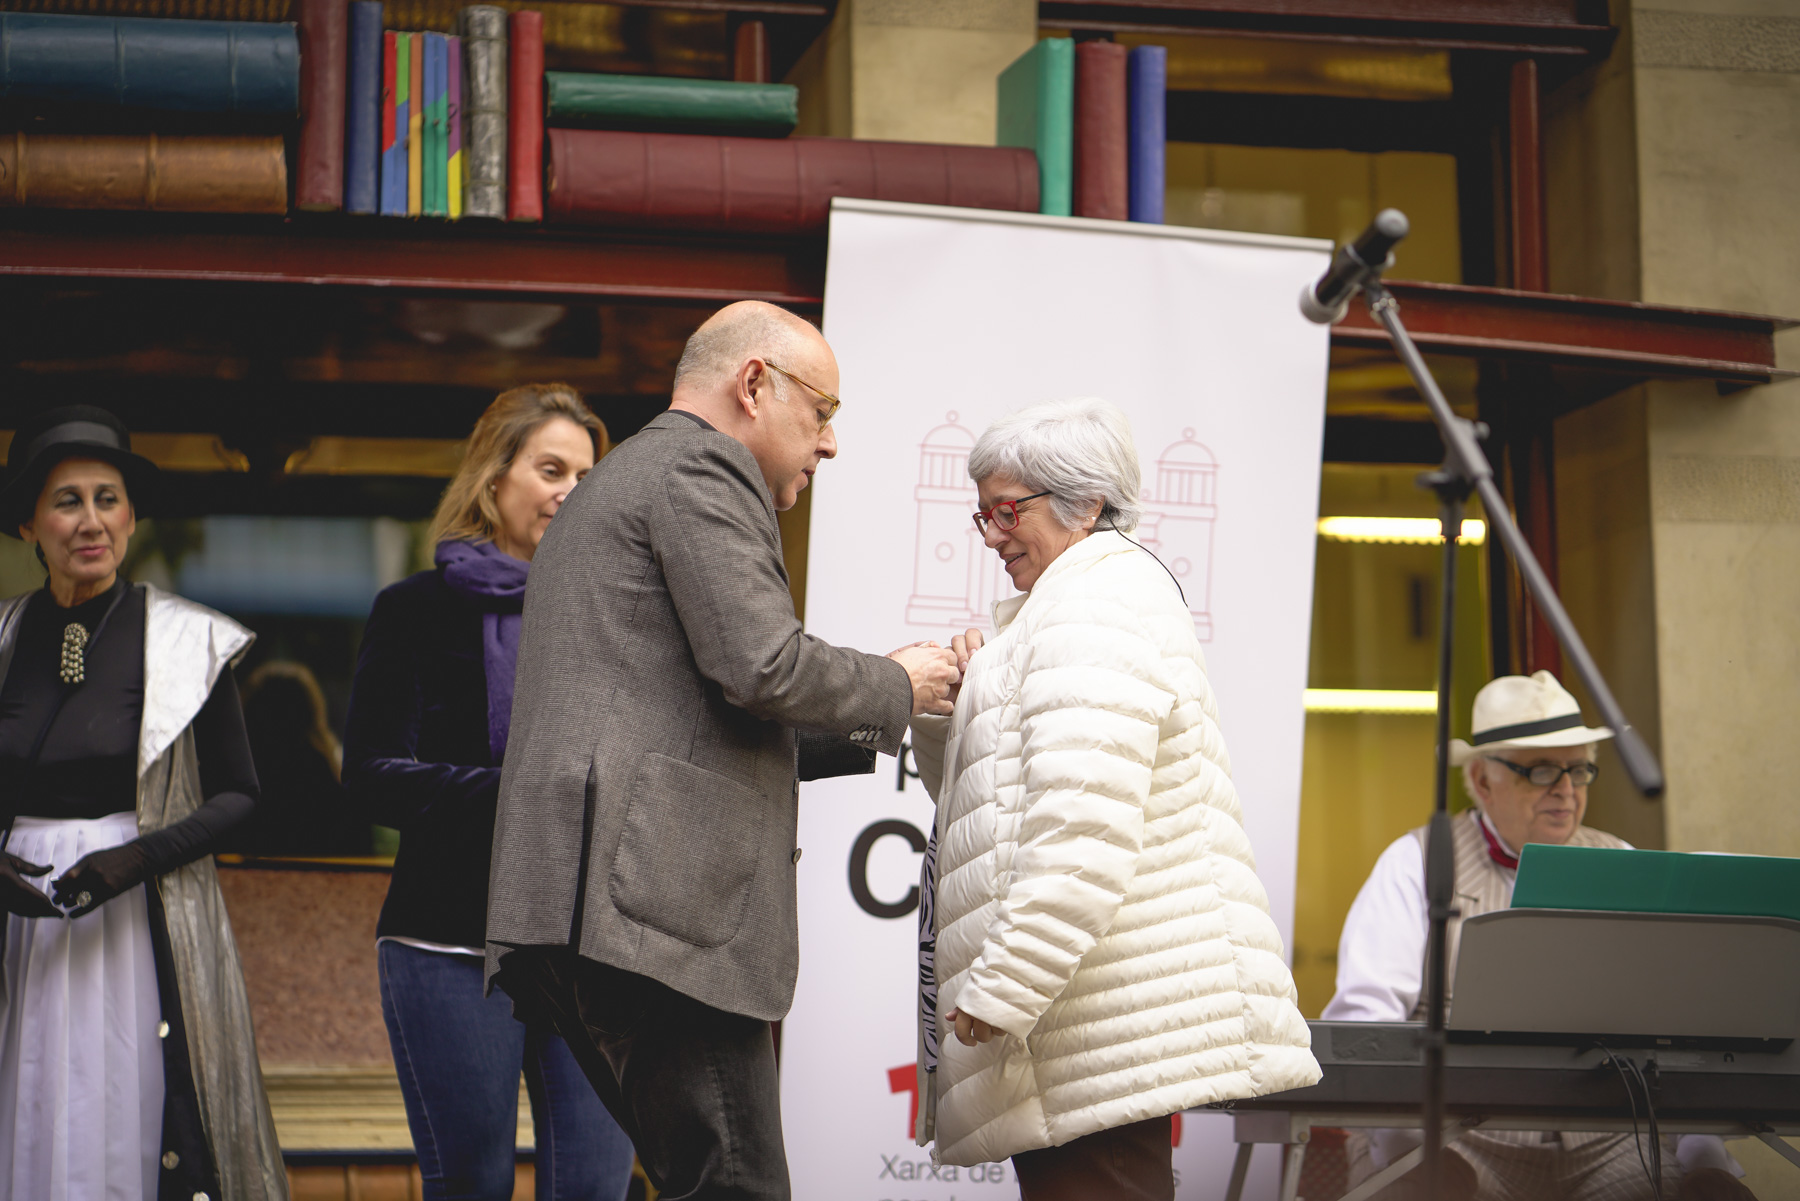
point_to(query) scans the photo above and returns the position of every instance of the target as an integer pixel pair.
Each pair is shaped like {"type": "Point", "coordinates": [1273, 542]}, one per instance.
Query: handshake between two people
{"type": "Point", "coordinates": [937, 671]}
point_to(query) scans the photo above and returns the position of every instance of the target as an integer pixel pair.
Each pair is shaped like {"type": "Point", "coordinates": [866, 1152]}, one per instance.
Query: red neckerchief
{"type": "Point", "coordinates": [1496, 852]}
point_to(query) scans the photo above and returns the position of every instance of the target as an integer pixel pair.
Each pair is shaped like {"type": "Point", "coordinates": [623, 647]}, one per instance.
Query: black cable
{"type": "Point", "coordinates": [1655, 1133]}
{"type": "Point", "coordinates": [1114, 527]}
{"type": "Point", "coordinates": [1655, 1179]}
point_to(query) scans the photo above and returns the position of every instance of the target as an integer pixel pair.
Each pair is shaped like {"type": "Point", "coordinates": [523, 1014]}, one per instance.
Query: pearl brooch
{"type": "Point", "coordinates": [74, 647]}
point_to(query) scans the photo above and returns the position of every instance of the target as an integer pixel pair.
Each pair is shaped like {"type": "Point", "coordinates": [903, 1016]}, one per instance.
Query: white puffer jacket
{"type": "Point", "coordinates": [1096, 897]}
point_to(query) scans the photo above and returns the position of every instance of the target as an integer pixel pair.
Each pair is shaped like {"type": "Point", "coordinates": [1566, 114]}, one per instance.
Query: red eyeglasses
{"type": "Point", "coordinates": [1005, 514]}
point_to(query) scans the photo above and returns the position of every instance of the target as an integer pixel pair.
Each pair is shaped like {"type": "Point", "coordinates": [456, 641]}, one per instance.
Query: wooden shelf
{"type": "Point", "coordinates": [1537, 27]}
{"type": "Point", "coordinates": [1615, 338]}
{"type": "Point", "coordinates": [1611, 336]}
{"type": "Point", "coordinates": [470, 258]}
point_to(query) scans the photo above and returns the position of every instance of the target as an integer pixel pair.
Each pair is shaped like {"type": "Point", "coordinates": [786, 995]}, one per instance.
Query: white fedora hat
{"type": "Point", "coordinates": [1514, 712]}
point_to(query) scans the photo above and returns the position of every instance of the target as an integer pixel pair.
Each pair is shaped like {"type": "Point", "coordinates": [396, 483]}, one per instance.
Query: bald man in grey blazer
{"type": "Point", "coordinates": [642, 893]}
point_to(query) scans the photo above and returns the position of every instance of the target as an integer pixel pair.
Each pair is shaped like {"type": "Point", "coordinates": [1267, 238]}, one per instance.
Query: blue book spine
{"type": "Point", "coordinates": [144, 62]}
{"type": "Point", "coordinates": [362, 117]}
{"type": "Point", "coordinates": [1146, 88]}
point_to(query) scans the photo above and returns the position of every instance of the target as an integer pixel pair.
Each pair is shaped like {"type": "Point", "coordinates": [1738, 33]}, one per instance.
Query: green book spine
{"type": "Point", "coordinates": [655, 104]}
{"type": "Point", "coordinates": [1037, 112]}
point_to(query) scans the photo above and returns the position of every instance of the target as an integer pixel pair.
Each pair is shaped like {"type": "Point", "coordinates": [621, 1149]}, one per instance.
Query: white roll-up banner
{"type": "Point", "coordinates": [943, 320]}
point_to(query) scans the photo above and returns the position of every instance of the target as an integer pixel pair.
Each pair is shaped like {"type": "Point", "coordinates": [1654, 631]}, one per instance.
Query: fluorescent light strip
{"type": "Point", "coordinates": [1369, 700]}
{"type": "Point", "coordinates": [1417, 530]}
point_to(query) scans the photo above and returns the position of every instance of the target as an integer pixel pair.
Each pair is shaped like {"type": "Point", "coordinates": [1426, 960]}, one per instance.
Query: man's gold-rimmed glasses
{"type": "Point", "coordinates": [834, 401]}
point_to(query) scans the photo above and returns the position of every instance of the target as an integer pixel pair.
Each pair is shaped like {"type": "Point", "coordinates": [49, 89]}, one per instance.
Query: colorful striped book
{"type": "Point", "coordinates": [1037, 112]}
{"type": "Point", "coordinates": [453, 118]}
{"type": "Point", "coordinates": [415, 125]}
{"type": "Point", "coordinates": [393, 126]}
{"type": "Point", "coordinates": [437, 68]}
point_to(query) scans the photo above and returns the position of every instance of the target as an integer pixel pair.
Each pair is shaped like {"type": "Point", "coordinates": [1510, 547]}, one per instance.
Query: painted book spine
{"type": "Point", "coordinates": [634, 180]}
{"type": "Point", "coordinates": [319, 158]}
{"type": "Point", "coordinates": [1147, 88]}
{"type": "Point", "coordinates": [1037, 112]}
{"type": "Point", "coordinates": [453, 119]}
{"type": "Point", "coordinates": [363, 137]}
{"type": "Point", "coordinates": [437, 60]}
{"type": "Point", "coordinates": [663, 105]}
{"type": "Point", "coordinates": [415, 125]}
{"type": "Point", "coordinates": [393, 127]}
{"type": "Point", "coordinates": [525, 118]}
{"type": "Point", "coordinates": [1102, 132]}
{"type": "Point", "coordinates": [142, 62]}
{"type": "Point", "coordinates": [143, 171]}
{"type": "Point", "coordinates": [484, 110]}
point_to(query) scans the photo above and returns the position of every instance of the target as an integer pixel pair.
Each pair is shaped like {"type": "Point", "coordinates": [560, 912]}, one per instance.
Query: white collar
{"type": "Point", "coordinates": [1096, 545]}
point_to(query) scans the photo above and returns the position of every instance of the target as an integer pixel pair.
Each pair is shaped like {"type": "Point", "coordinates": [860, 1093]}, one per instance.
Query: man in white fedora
{"type": "Point", "coordinates": [1527, 765]}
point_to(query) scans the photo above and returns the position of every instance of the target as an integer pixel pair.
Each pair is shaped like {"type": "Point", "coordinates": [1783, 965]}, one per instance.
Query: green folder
{"type": "Point", "coordinates": [1553, 877]}
{"type": "Point", "coordinates": [666, 105]}
{"type": "Point", "coordinates": [1037, 112]}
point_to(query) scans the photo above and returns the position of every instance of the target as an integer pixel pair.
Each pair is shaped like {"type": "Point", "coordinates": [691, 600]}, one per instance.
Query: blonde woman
{"type": "Point", "coordinates": [426, 733]}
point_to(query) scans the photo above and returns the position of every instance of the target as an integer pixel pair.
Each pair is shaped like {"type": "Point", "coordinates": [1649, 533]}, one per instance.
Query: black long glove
{"type": "Point", "coordinates": [105, 874]}
{"type": "Point", "coordinates": [20, 896]}
{"type": "Point", "coordinates": [102, 875]}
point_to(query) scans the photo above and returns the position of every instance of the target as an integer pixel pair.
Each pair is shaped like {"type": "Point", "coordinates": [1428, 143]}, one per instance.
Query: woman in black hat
{"type": "Point", "coordinates": [127, 1060]}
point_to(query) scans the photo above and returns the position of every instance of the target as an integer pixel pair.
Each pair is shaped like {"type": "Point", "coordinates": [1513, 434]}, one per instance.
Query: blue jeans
{"type": "Point", "coordinates": [459, 1055]}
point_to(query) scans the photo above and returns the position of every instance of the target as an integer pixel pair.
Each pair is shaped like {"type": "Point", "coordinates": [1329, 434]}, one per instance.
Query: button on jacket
{"type": "Point", "coordinates": [1097, 900]}
{"type": "Point", "coordinates": [648, 803]}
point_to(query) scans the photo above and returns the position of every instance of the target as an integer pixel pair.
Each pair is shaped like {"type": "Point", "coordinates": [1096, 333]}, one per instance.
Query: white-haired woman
{"type": "Point", "coordinates": [1103, 953]}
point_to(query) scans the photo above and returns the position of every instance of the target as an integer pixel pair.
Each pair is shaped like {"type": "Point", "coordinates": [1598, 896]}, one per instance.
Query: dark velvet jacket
{"type": "Point", "coordinates": [416, 755]}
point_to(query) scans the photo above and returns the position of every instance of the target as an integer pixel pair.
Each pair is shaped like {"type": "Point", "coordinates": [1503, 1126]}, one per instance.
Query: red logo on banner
{"type": "Point", "coordinates": [905, 1079]}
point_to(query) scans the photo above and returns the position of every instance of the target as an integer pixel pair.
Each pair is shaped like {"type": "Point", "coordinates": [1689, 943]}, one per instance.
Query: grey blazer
{"type": "Point", "coordinates": [648, 799]}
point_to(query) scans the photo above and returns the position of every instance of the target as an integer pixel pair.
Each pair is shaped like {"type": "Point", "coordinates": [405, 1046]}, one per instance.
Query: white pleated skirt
{"type": "Point", "coordinates": [81, 1070]}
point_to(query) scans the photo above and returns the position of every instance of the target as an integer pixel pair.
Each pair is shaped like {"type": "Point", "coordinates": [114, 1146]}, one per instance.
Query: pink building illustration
{"type": "Point", "coordinates": [956, 579]}
{"type": "Point", "coordinates": [1179, 513]}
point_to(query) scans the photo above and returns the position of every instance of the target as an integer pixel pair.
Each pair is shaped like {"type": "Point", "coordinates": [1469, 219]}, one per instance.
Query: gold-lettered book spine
{"type": "Point", "coordinates": [158, 172]}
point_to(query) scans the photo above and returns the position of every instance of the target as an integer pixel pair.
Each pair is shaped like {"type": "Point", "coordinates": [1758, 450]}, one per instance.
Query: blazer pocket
{"type": "Point", "coordinates": [689, 851]}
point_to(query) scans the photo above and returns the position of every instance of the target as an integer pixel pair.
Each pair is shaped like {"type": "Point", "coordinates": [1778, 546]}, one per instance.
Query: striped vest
{"type": "Point", "coordinates": [1482, 886]}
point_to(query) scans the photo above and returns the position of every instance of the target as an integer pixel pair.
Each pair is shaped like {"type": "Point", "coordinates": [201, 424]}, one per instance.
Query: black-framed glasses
{"type": "Point", "coordinates": [1545, 775]}
{"type": "Point", "coordinates": [1005, 514]}
{"type": "Point", "coordinates": [834, 401]}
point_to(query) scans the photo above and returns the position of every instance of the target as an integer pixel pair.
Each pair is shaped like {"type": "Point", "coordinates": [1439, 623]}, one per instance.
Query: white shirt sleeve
{"type": "Point", "coordinates": [1381, 953]}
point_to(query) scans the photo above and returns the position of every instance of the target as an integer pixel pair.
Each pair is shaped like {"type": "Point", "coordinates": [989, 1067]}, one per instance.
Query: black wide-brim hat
{"type": "Point", "coordinates": [70, 432]}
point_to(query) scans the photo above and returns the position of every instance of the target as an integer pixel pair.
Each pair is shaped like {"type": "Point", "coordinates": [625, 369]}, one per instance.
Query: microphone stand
{"type": "Point", "coordinates": [1465, 469]}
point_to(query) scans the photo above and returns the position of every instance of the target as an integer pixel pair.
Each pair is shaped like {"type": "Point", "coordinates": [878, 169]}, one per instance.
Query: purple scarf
{"type": "Point", "coordinates": [494, 582]}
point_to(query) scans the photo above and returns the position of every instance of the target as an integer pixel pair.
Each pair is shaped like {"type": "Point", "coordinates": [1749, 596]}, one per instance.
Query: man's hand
{"type": "Point", "coordinates": [17, 895]}
{"type": "Point", "coordinates": [964, 646]}
{"type": "Point", "coordinates": [932, 670]}
{"type": "Point", "coordinates": [970, 1030]}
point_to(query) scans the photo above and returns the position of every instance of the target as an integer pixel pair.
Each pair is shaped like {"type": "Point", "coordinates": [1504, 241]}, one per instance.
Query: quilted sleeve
{"type": "Point", "coordinates": [1091, 708]}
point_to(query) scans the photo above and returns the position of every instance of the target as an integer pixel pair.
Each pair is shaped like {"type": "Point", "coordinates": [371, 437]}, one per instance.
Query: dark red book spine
{"type": "Point", "coordinates": [324, 51]}
{"type": "Point", "coordinates": [767, 185]}
{"type": "Point", "coordinates": [525, 118]}
{"type": "Point", "coordinates": [1102, 132]}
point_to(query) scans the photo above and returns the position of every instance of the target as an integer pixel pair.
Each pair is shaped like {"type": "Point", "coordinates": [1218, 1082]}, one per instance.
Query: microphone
{"type": "Point", "coordinates": [1325, 301]}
